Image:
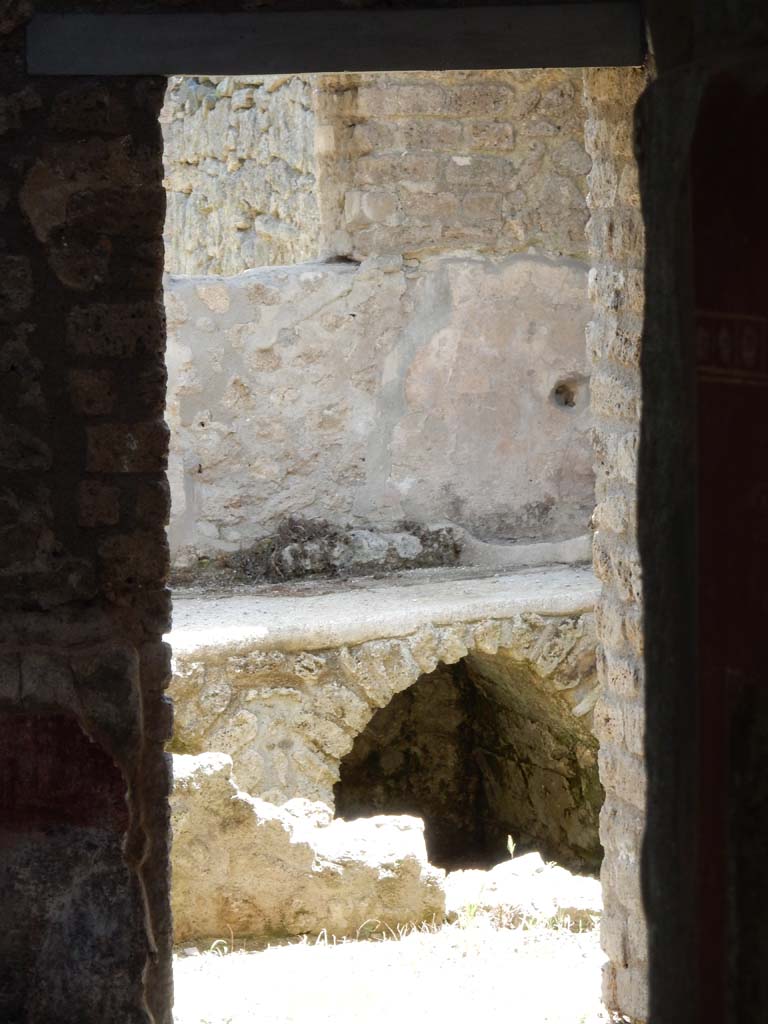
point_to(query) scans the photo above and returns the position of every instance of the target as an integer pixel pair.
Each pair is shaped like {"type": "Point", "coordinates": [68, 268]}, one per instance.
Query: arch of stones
{"type": "Point", "coordinates": [83, 664]}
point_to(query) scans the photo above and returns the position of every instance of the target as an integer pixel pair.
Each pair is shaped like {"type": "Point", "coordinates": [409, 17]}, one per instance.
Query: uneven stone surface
{"type": "Point", "coordinates": [476, 752]}
{"type": "Point", "coordinates": [616, 286]}
{"type": "Point", "coordinates": [285, 682]}
{"type": "Point", "coordinates": [523, 888]}
{"type": "Point", "coordinates": [289, 168]}
{"type": "Point", "coordinates": [260, 870]}
{"type": "Point", "coordinates": [375, 394]}
{"type": "Point", "coordinates": [422, 163]}
{"type": "Point", "coordinates": [240, 173]}
{"type": "Point", "coordinates": [268, 872]}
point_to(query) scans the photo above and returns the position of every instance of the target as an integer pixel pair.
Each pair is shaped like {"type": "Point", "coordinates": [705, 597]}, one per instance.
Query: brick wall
{"type": "Point", "coordinates": [615, 233]}
{"type": "Point", "coordinates": [83, 555]}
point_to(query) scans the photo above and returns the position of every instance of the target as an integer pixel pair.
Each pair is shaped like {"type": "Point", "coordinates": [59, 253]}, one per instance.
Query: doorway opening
{"type": "Point", "coordinates": [382, 408]}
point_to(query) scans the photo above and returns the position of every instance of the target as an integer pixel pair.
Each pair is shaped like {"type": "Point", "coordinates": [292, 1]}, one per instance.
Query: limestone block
{"type": "Point", "coordinates": [615, 396]}
{"type": "Point", "coordinates": [628, 988]}
{"type": "Point", "coordinates": [524, 888]}
{"type": "Point", "coordinates": [261, 870]}
{"type": "Point", "coordinates": [617, 564]}
{"type": "Point", "coordinates": [386, 97]}
{"type": "Point", "coordinates": [490, 135]}
{"type": "Point", "coordinates": [623, 930]}
{"type": "Point", "coordinates": [614, 513]}
{"type": "Point", "coordinates": [624, 774]}
{"type": "Point", "coordinates": [623, 674]}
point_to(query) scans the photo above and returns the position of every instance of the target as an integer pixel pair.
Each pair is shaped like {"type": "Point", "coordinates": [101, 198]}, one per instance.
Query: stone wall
{"type": "Point", "coordinates": [240, 173]}
{"type": "Point", "coordinates": [616, 285]}
{"type": "Point", "coordinates": [72, 580]}
{"type": "Point", "coordinates": [83, 554]}
{"type": "Point", "coordinates": [84, 861]}
{"type": "Point", "coordinates": [488, 161]}
{"type": "Point", "coordinates": [266, 171]}
{"type": "Point", "coordinates": [466, 701]}
{"type": "Point", "coordinates": [436, 382]}
{"type": "Point", "coordinates": [380, 393]}
{"type": "Point", "coordinates": [288, 716]}
{"type": "Point", "coordinates": [243, 867]}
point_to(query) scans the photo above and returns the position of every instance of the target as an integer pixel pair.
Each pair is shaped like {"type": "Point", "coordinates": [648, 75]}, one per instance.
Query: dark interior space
{"type": "Point", "coordinates": [64, 798]}
{"type": "Point", "coordinates": [730, 232]}
{"type": "Point", "coordinates": [478, 752]}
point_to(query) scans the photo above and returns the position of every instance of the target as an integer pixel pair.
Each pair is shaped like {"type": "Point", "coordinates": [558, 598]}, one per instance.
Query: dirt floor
{"type": "Point", "coordinates": [536, 975]}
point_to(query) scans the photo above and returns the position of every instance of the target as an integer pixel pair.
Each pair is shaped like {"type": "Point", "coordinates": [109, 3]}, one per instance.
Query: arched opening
{"type": "Point", "coordinates": [482, 754]}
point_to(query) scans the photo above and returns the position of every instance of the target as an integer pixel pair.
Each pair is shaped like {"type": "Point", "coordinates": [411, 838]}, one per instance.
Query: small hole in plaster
{"type": "Point", "coordinates": [564, 395]}
{"type": "Point", "coordinates": [568, 393]}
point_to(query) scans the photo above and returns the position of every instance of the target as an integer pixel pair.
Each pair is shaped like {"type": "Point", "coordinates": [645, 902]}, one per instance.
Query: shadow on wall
{"type": "Point", "coordinates": [73, 899]}
{"type": "Point", "coordinates": [477, 752]}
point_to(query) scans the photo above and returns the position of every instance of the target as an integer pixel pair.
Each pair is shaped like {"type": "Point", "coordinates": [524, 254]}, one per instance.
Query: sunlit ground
{"type": "Point", "coordinates": [458, 973]}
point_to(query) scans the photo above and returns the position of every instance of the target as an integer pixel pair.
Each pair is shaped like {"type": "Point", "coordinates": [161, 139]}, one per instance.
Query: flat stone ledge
{"type": "Point", "coordinates": [283, 678]}
{"type": "Point", "coordinates": [332, 614]}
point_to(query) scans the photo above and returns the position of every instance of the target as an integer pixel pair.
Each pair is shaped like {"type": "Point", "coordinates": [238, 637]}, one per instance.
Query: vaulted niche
{"type": "Point", "coordinates": [479, 752]}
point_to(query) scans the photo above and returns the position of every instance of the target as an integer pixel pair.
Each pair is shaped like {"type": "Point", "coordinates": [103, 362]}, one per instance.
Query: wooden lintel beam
{"type": "Point", "coordinates": [601, 34]}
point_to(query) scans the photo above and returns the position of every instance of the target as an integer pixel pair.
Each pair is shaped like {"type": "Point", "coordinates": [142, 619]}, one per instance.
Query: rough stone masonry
{"type": "Point", "coordinates": [456, 205]}
{"type": "Point", "coordinates": [463, 701]}
{"type": "Point", "coordinates": [616, 285]}
{"type": "Point", "coordinates": [85, 556]}
{"type": "Point", "coordinates": [425, 364]}
{"type": "Point", "coordinates": [84, 562]}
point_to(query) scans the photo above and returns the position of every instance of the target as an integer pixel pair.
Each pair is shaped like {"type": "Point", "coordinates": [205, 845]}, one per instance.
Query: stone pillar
{"type": "Point", "coordinates": [83, 555]}
{"type": "Point", "coordinates": [615, 234]}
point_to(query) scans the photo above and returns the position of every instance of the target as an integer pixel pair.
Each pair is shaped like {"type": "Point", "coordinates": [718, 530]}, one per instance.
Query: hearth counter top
{"type": "Point", "coordinates": [333, 613]}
